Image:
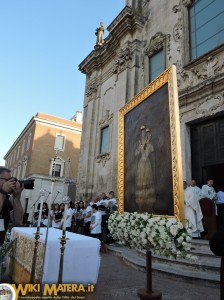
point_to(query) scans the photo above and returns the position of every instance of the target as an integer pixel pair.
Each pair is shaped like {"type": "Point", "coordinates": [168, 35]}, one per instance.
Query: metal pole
{"type": "Point", "coordinates": [47, 229]}
{"type": "Point", "coordinates": [147, 293]}
{"type": "Point", "coordinates": [63, 241]}
{"type": "Point", "coordinates": [222, 279]}
{"type": "Point", "coordinates": [149, 270]}
{"type": "Point", "coordinates": [61, 264]}
{"type": "Point", "coordinates": [37, 236]}
{"type": "Point", "coordinates": [48, 216]}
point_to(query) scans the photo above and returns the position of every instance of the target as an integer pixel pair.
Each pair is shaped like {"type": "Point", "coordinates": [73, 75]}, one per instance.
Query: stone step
{"type": "Point", "coordinates": [200, 263]}
{"type": "Point", "coordinates": [204, 270]}
{"type": "Point", "coordinates": [201, 248]}
{"type": "Point", "coordinates": [206, 260]}
{"type": "Point", "coordinates": [200, 244]}
{"type": "Point", "coordinates": [202, 252]}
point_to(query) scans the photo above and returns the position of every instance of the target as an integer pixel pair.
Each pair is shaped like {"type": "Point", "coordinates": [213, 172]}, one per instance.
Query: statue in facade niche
{"type": "Point", "coordinates": [99, 33]}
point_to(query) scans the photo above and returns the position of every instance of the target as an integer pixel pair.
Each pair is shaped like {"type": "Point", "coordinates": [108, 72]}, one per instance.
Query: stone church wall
{"type": "Point", "coordinates": [119, 69]}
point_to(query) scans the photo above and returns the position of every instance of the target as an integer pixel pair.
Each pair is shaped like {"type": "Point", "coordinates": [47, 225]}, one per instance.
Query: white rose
{"type": "Point", "coordinates": [173, 230]}
{"type": "Point", "coordinates": [145, 217]}
{"type": "Point", "coordinates": [188, 239]}
{"type": "Point", "coordinates": [153, 234]}
{"type": "Point", "coordinates": [180, 225]}
{"type": "Point", "coordinates": [144, 241]}
{"type": "Point", "coordinates": [143, 235]}
{"type": "Point", "coordinates": [162, 222]}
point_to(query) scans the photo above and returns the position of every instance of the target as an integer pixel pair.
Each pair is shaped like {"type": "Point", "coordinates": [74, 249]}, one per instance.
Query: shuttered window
{"type": "Point", "coordinates": [59, 142]}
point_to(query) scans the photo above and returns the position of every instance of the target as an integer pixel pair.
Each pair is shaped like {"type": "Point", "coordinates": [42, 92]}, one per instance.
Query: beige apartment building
{"type": "Point", "coordinates": [146, 38]}
{"type": "Point", "coordinates": [47, 150]}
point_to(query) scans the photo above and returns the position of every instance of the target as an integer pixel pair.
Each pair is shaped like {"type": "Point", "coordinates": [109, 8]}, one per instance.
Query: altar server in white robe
{"type": "Point", "coordinates": [208, 190]}
{"type": "Point", "coordinates": [193, 213]}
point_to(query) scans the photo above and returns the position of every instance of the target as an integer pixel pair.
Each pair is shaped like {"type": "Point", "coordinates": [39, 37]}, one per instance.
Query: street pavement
{"type": "Point", "coordinates": [119, 281]}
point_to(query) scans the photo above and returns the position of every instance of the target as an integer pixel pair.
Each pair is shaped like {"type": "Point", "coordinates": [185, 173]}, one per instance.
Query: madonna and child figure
{"type": "Point", "coordinates": [145, 188]}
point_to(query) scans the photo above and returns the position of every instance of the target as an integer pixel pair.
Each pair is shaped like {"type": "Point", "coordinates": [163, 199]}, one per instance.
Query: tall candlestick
{"type": "Point", "coordinates": [41, 209]}
{"type": "Point", "coordinates": [65, 217]}
{"type": "Point", "coordinates": [37, 236]}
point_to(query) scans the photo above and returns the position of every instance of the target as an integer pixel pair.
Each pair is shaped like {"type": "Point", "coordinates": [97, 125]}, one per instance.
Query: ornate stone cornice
{"type": "Point", "coordinates": [187, 3]}
{"type": "Point", "coordinates": [209, 105]}
{"type": "Point", "coordinates": [211, 67]}
{"type": "Point", "coordinates": [107, 119]}
{"type": "Point", "coordinates": [157, 42]}
{"type": "Point", "coordinates": [177, 30]}
{"type": "Point", "coordinates": [121, 62]}
{"type": "Point", "coordinates": [176, 8]}
{"type": "Point", "coordinates": [91, 90]}
{"type": "Point", "coordinates": [103, 158]}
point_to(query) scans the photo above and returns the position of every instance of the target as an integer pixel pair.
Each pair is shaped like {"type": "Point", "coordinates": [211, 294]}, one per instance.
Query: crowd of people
{"type": "Point", "coordinates": [193, 213]}
{"type": "Point", "coordinates": [88, 218]}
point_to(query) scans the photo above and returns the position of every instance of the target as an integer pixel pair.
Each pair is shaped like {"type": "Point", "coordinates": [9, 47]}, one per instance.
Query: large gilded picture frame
{"type": "Point", "coordinates": [149, 150]}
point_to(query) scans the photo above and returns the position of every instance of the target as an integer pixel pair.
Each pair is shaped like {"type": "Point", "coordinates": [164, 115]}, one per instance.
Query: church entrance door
{"type": "Point", "coordinates": [207, 151]}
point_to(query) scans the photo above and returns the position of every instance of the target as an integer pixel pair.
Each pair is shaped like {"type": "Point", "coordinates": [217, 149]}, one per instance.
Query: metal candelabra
{"type": "Point", "coordinates": [63, 242]}
{"type": "Point", "coordinates": [36, 243]}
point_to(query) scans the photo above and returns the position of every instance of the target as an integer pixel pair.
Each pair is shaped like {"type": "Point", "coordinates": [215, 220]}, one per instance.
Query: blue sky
{"type": "Point", "coordinates": [42, 44]}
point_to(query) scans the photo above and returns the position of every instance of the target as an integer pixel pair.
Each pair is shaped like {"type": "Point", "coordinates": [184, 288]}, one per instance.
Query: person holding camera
{"type": "Point", "coordinates": [10, 205]}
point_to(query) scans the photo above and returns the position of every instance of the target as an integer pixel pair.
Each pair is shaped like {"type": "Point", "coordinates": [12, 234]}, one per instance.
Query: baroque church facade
{"type": "Point", "coordinates": [147, 37]}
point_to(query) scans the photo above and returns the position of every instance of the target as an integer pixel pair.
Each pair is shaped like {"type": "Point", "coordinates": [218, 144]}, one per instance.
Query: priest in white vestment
{"type": "Point", "coordinates": [196, 190]}
{"type": "Point", "coordinates": [193, 213]}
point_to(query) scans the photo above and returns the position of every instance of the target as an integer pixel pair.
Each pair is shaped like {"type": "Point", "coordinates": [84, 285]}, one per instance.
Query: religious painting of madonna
{"type": "Point", "coordinates": [149, 151]}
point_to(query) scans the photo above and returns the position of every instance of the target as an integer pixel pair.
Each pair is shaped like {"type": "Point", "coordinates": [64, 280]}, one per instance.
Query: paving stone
{"type": "Point", "coordinates": [118, 281]}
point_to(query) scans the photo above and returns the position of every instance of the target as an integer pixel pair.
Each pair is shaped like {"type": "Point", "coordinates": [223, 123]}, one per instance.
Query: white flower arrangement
{"type": "Point", "coordinates": [165, 236]}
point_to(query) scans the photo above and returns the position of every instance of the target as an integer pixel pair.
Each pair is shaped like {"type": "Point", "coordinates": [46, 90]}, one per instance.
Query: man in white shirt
{"type": "Point", "coordinates": [95, 225]}
{"type": "Point", "coordinates": [193, 213]}
{"type": "Point", "coordinates": [208, 190]}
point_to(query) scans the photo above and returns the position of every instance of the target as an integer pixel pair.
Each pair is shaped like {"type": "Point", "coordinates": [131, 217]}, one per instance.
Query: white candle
{"type": "Point", "coordinates": [65, 216]}
{"type": "Point", "coordinates": [41, 208]}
